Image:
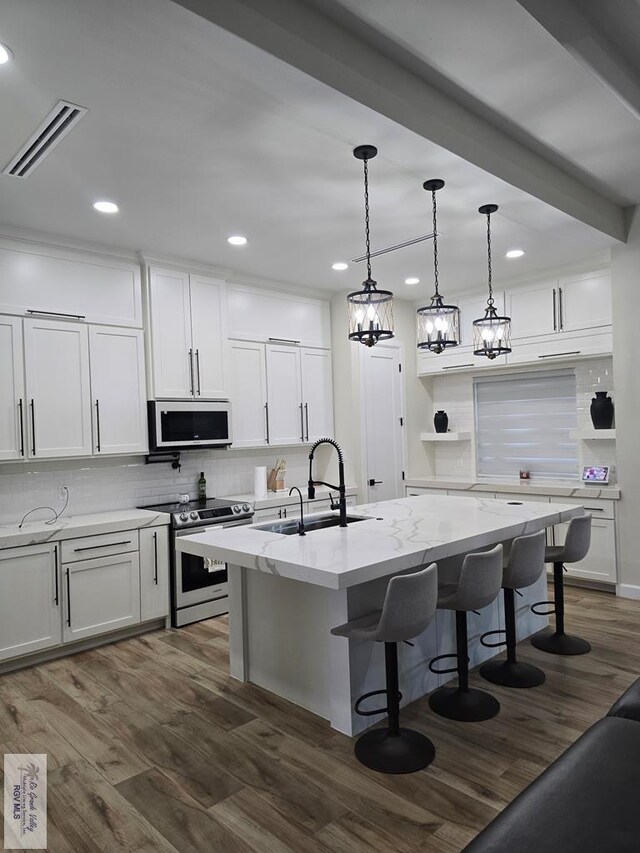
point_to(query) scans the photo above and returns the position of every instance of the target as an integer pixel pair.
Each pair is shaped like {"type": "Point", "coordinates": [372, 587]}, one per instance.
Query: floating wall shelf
{"type": "Point", "coordinates": [445, 436]}
{"type": "Point", "coordinates": [593, 434]}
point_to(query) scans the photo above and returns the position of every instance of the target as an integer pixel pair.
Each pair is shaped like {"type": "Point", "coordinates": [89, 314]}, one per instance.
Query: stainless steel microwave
{"type": "Point", "coordinates": [176, 425]}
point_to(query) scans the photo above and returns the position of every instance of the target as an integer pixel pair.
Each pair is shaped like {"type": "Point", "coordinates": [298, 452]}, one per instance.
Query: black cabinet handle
{"type": "Point", "coordinates": [191, 372]}
{"type": "Point", "coordinates": [594, 508]}
{"type": "Point", "coordinates": [155, 557]}
{"type": "Point", "coordinates": [33, 428]}
{"type": "Point", "coordinates": [56, 314]}
{"type": "Point", "coordinates": [98, 426]}
{"type": "Point", "coordinates": [198, 369]}
{"type": "Point", "coordinates": [21, 428]}
{"type": "Point", "coordinates": [68, 599]}
{"type": "Point", "coordinates": [375, 482]}
{"type": "Point", "coordinates": [55, 573]}
{"type": "Point", "coordinates": [457, 366]}
{"type": "Point", "coordinates": [284, 340]}
{"type": "Point", "coordinates": [306, 416]}
{"type": "Point", "coordinates": [104, 545]}
{"type": "Point", "coordinates": [301, 423]}
{"type": "Point", "coordinates": [560, 307]}
{"type": "Point", "coordinates": [555, 354]}
{"type": "Point", "coordinates": [266, 416]}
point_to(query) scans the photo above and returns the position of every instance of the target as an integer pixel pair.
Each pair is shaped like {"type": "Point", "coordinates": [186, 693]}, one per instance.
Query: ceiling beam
{"type": "Point", "coordinates": [345, 53]}
{"type": "Point", "coordinates": [594, 33]}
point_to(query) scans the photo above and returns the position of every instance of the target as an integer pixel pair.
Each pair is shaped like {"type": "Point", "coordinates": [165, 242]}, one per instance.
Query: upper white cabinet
{"type": "Point", "coordinates": [118, 392]}
{"type": "Point", "coordinates": [282, 394]}
{"type": "Point", "coordinates": [534, 310]}
{"type": "Point", "coordinates": [248, 383]}
{"type": "Point", "coordinates": [276, 317]}
{"type": "Point", "coordinates": [30, 592]}
{"type": "Point", "coordinates": [317, 393]}
{"type": "Point", "coordinates": [286, 416]}
{"type": "Point", "coordinates": [584, 301]}
{"type": "Point", "coordinates": [45, 280]}
{"type": "Point", "coordinates": [58, 394]}
{"type": "Point", "coordinates": [12, 403]}
{"type": "Point", "coordinates": [188, 335]}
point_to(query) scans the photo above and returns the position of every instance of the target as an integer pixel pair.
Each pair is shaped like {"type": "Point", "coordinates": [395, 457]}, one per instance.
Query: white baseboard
{"type": "Point", "coordinates": [627, 590]}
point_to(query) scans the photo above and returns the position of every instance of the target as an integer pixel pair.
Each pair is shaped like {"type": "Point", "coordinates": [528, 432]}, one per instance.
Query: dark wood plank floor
{"type": "Point", "coordinates": [153, 747]}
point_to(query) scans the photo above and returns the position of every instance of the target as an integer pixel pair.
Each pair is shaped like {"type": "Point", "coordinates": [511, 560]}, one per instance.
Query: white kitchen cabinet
{"type": "Point", "coordinates": [30, 592]}
{"type": "Point", "coordinates": [118, 390]}
{"type": "Point", "coordinates": [584, 301]}
{"type": "Point", "coordinates": [188, 335]}
{"type": "Point", "coordinates": [248, 383]}
{"type": "Point", "coordinates": [57, 389]}
{"type": "Point", "coordinates": [270, 316]}
{"type": "Point", "coordinates": [170, 333]}
{"type": "Point", "coordinates": [12, 402]}
{"type": "Point", "coordinates": [286, 416]}
{"type": "Point", "coordinates": [533, 310]}
{"type": "Point", "coordinates": [100, 595]}
{"type": "Point", "coordinates": [600, 562]}
{"type": "Point", "coordinates": [317, 393]}
{"type": "Point", "coordinates": [154, 573]}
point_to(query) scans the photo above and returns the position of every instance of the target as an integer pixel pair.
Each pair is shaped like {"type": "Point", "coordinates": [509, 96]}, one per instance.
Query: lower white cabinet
{"type": "Point", "coordinates": [100, 595]}
{"type": "Point", "coordinates": [30, 593]}
{"type": "Point", "coordinates": [600, 562]}
{"type": "Point", "coordinates": [154, 573]}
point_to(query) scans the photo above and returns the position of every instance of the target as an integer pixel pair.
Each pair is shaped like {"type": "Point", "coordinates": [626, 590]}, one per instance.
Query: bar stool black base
{"type": "Point", "coordinates": [512, 674]}
{"type": "Point", "coordinates": [404, 753]}
{"type": "Point", "coordinates": [468, 706]}
{"type": "Point", "coordinates": [560, 644]}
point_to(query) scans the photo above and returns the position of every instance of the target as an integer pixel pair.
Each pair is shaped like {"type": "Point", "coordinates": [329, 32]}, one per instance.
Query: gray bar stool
{"type": "Point", "coordinates": [409, 606]}
{"type": "Point", "coordinates": [523, 567]}
{"type": "Point", "coordinates": [479, 585]}
{"type": "Point", "coordinates": [575, 548]}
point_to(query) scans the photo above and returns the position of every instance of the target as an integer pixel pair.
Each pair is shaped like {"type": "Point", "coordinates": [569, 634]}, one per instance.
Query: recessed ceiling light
{"type": "Point", "coordinates": [105, 206]}
{"type": "Point", "coordinates": [237, 240]}
{"type": "Point", "coordinates": [514, 253]}
{"type": "Point", "coordinates": [339, 265]}
{"type": "Point", "coordinates": [412, 280]}
{"type": "Point", "coordinates": [5, 54]}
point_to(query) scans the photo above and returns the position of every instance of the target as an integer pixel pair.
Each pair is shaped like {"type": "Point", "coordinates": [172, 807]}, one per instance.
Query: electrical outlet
{"type": "Point", "coordinates": [62, 492]}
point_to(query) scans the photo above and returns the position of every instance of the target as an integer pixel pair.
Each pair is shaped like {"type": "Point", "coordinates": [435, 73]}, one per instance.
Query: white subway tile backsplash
{"type": "Point", "coordinates": [126, 482]}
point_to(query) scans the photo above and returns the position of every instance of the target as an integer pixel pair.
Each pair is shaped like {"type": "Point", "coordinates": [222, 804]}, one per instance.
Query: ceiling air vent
{"type": "Point", "coordinates": [52, 130]}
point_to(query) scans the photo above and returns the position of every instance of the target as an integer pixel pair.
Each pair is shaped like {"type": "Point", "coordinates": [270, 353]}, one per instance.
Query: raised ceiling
{"type": "Point", "coordinates": [198, 133]}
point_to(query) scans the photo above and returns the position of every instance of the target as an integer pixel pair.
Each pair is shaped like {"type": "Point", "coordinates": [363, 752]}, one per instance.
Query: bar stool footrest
{"type": "Point", "coordinates": [375, 711]}
{"type": "Point", "coordinates": [550, 604]}
{"type": "Point", "coordinates": [442, 671]}
{"type": "Point", "coordinates": [484, 643]}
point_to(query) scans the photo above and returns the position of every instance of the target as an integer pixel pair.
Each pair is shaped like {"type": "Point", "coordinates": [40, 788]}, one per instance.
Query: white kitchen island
{"type": "Point", "coordinates": [287, 592]}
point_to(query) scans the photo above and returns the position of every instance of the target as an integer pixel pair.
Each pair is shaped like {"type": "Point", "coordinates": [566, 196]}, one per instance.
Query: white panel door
{"type": "Point", "coordinates": [118, 390]}
{"type": "Point", "coordinates": [12, 403]}
{"type": "Point", "coordinates": [208, 321]}
{"type": "Point", "coordinates": [172, 359]}
{"type": "Point", "coordinates": [248, 385]}
{"type": "Point", "coordinates": [534, 311]}
{"type": "Point", "coordinates": [382, 430]}
{"type": "Point", "coordinates": [317, 393]}
{"type": "Point", "coordinates": [29, 600]}
{"type": "Point", "coordinates": [100, 595]}
{"type": "Point", "coordinates": [284, 395]}
{"type": "Point", "coordinates": [154, 573]}
{"type": "Point", "coordinates": [585, 301]}
{"type": "Point", "coordinates": [58, 390]}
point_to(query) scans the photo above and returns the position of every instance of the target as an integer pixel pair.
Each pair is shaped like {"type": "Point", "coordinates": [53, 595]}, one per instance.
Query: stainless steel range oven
{"type": "Point", "coordinates": [199, 586]}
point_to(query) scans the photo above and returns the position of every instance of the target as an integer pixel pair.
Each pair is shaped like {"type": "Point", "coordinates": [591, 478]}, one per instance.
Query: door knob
{"type": "Point", "coordinates": [374, 482]}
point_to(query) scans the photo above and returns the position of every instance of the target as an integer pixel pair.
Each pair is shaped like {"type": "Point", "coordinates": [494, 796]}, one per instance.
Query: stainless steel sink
{"type": "Point", "coordinates": [318, 522]}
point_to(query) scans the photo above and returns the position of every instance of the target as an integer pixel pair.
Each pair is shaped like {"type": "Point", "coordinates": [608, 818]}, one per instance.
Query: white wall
{"type": "Point", "coordinates": [625, 271]}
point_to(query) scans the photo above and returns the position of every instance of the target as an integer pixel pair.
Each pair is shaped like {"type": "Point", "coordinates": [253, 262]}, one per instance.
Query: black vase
{"type": "Point", "coordinates": [440, 421]}
{"type": "Point", "coordinates": [601, 410]}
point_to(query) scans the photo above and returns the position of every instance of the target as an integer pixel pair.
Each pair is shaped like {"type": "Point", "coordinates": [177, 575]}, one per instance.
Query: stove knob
{"type": "Point", "coordinates": [246, 508]}
{"type": "Point", "coordinates": [237, 509]}
{"type": "Point", "coordinates": [194, 515]}
{"type": "Point", "coordinates": [184, 516]}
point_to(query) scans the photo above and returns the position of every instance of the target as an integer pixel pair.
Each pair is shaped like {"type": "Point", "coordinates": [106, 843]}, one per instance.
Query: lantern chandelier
{"type": "Point", "coordinates": [491, 333]}
{"type": "Point", "coordinates": [438, 325]}
{"type": "Point", "coordinates": [370, 311]}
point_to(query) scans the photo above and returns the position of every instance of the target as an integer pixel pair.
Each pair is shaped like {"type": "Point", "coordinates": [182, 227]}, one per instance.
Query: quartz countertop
{"type": "Point", "coordinates": [397, 535]}
{"type": "Point", "coordinates": [523, 487]}
{"type": "Point", "coordinates": [73, 526]}
{"type": "Point", "coordinates": [282, 498]}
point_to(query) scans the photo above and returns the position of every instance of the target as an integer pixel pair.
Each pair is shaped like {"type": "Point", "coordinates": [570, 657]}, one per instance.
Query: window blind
{"type": "Point", "coordinates": [525, 422]}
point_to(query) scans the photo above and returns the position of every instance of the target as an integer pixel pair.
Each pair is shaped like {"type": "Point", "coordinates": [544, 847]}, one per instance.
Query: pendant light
{"type": "Point", "coordinates": [370, 311]}
{"type": "Point", "coordinates": [491, 333]}
{"type": "Point", "coordinates": [438, 325]}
